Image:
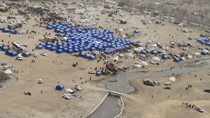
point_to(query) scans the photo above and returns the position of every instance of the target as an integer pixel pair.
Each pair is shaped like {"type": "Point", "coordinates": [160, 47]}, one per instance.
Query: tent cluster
{"type": "Point", "coordinates": [86, 56]}
{"type": "Point", "coordinates": [204, 41]}
{"type": "Point", "coordinates": [204, 52]}
{"type": "Point", "coordinates": [85, 39]}
{"type": "Point", "coordinates": [11, 53]}
{"type": "Point", "coordinates": [4, 48]}
{"type": "Point", "coordinates": [5, 30]}
{"type": "Point", "coordinates": [155, 52]}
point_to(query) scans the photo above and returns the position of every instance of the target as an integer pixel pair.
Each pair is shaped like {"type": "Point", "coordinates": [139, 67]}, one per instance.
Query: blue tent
{"type": "Point", "coordinates": [143, 52]}
{"type": "Point", "coordinates": [8, 52]}
{"type": "Point", "coordinates": [49, 27]}
{"type": "Point", "coordinates": [5, 30]}
{"type": "Point", "coordinates": [53, 49]}
{"type": "Point", "coordinates": [48, 43]}
{"type": "Point", "coordinates": [164, 57]}
{"type": "Point", "coordinates": [14, 54]}
{"type": "Point", "coordinates": [98, 73]}
{"type": "Point", "coordinates": [26, 54]}
{"type": "Point", "coordinates": [202, 35]}
{"type": "Point", "coordinates": [43, 44]}
{"type": "Point", "coordinates": [59, 51]}
{"type": "Point", "coordinates": [4, 48]}
{"type": "Point", "coordinates": [59, 87]}
{"type": "Point", "coordinates": [154, 52]}
{"type": "Point", "coordinates": [136, 31]}
{"type": "Point", "coordinates": [1, 45]}
{"type": "Point", "coordinates": [91, 58]}
{"type": "Point", "coordinates": [158, 22]}
{"type": "Point", "coordinates": [48, 47]}
{"type": "Point", "coordinates": [204, 53]}
{"type": "Point", "coordinates": [176, 60]}
{"type": "Point", "coordinates": [207, 44]}
{"type": "Point", "coordinates": [1, 28]}
{"type": "Point", "coordinates": [69, 51]}
{"type": "Point", "coordinates": [39, 47]}
{"type": "Point", "coordinates": [13, 31]}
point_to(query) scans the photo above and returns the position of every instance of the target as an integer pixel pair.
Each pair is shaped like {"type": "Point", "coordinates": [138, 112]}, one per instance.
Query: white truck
{"type": "Point", "coordinates": [7, 67]}
{"type": "Point", "coordinates": [19, 57]}
{"type": "Point", "coordinates": [15, 25]}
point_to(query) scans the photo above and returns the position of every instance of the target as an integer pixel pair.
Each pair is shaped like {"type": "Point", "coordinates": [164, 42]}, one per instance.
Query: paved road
{"type": "Point", "coordinates": [108, 109]}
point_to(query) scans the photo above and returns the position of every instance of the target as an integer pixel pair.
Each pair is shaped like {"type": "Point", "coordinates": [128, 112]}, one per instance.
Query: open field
{"type": "Point", "coordinates": [57, 68]}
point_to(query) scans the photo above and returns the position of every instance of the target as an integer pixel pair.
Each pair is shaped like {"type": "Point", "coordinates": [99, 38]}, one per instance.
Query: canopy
{"type": "Point", "coordinates": [164, 57]}
{"type": "Point", "coordinates": [156, 59]}
{"type": "Point", "coordinates": [137, 66]}
{"type": "Point", "coordinates": [172, 79]}
{"type": "Point", "coordinates": [144, 63]}
{"type": "Point", "coordinates": [8, 71]}
{"type": "Point", "coordinates": [197, 54]}
{"type": "Point", "coordinates": [59, 87]}
{"type": "Point", "coordinates": [26, 54]}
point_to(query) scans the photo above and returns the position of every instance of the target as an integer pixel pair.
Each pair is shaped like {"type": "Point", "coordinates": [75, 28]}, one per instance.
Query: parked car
{"type": "Point", "coordinates": [40, 81]}
{"type": "Point", "coordinates": [35, 55]}
{"type": "Point", "coordinates": [70, 90]}
{"type": "Point", "coordinates": [98, 73]}
{"type": "Point", "coordinates": [167, 87]}
{"type": "Point", "coordinates": [190, 38]}
{"type": "Point", "coordinates": [66, 97]}
{"type": "Point", "coordinates": [207, 90]}
{"type": "Point", "coordinates": [27, 93]}
{"type": "Point", "coordinates": [78, 87]}
{"type": "Point", "coordinates": [43, 54]}
{"type": "Point", "coordinates": [168, 83]}
{"type": "Point", "coordinates": [3, 63]}
{"type": "Point", "coordinates": [199, 109]}
{"type": "Point", "coordinates": [91, 72]}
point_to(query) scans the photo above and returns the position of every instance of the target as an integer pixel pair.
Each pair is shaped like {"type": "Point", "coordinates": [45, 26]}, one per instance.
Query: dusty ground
{"type": "Point", "coordinates": [50, 104]}
{"type": "Point", "coordinates": [162, 106]}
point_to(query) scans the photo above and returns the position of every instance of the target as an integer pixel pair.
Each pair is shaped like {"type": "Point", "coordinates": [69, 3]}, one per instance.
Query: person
{"type": "Point", "coordinates": [180, 96]}
{"type": "Point", "coordinates": [41, 91]}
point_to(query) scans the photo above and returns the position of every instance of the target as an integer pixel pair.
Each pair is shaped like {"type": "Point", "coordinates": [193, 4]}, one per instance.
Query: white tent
{"type": "Point", "coordinates": [8, 71]}
{"type": "Point", "coordinates": [205, 51]}
{"type": "Point", "coordinates": [40, 81]}
{"type": "Point", "coordinates": [136, 49]}
{"type": "Point", "coordinates": [197, 54]}
{"type": "Point", "coordinates": [156, 59]}
{"type": "Point", "coordinates": [167, 48]}
{"type": "Point", "coordinates": [185, 30]}
{"type": "Point", "coordinates": [172, 79]}
{"type": "Point", "coordinates": [154, 45]}
{"type": "Point", "coordinates": [189, 57]}
{"type": "Point", "coordinates": [130, 54]}
{"type": "Point", "coordinates": [137, 66]}
{"type": "Point", "coordinates": [116, 58]}
{"type": "Point", "coordinates": [182, 58]}
{"type": "Point", "coordinates": [144, 63]}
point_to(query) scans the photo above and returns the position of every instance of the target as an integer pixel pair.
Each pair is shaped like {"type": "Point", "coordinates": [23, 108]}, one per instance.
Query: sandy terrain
{"type": "Point", "coordinates": [50, 104]}
{"type": "Point", "coordinates": [162, 106]}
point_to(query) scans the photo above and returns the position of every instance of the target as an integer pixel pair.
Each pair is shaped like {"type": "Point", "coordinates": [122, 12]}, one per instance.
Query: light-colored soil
{"type": "Point", "coordinates": [50, 104]}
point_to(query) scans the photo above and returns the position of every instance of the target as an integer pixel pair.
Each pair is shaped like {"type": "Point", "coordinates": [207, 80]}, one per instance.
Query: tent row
{"type": "Point", "coordinates": [5, 30]}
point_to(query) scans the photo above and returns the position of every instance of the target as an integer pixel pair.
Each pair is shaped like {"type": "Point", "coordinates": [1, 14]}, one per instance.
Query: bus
{"type": "Point", "coordinates": [18, 47]}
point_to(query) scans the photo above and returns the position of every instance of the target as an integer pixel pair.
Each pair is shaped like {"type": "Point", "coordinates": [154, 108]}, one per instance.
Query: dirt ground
{"type": "Point", "coordinates": [168, 103]}
{"type": "Point", "coordinates": [50, 104]}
